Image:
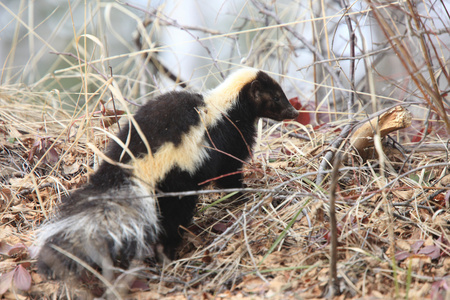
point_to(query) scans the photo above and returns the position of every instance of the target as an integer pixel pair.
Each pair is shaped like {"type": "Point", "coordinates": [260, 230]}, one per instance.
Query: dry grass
{"type": "Point", "coordinates": [392, 210]}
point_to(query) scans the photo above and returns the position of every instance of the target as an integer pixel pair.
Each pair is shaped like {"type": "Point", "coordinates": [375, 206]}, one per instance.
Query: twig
{"type": "Point", "coordinates": [431, 96]}
{"type": "Point", "coordinates": [351, 99]}
{"type": "Point", "coordinates": [83, 61]}
{"type": "Point", "coordinates": [425, 148]}
{"type": "Point", "coordinates": [247, 244]}
{"type": "Point", "coordinates": [187, 27]}
{"type": "Point", "coordinates": [174, 23]}
{"type": "Point", "coordinates": [329, 157]}
{"type": "Point", "coordinates": [334, 147]}
{"type": "Point", "coordinates": [264, 10]}
{"type": "Point", "coordinates": [156, 62]}
{"type": "Point", "coordinates": [223, 239]}
{"type": "Point", "coordinates": [94, 68]}
{"type": "Point", "coordinates": [343, 58]}
{"type": "Point", "coordinates": [288, 132]}
{"type": "Point", "coordinates": [333, 283]}
{"type": "Point", "coordinates": [390, 183]}
{"type": "Point", "coordinates": [114, 102]}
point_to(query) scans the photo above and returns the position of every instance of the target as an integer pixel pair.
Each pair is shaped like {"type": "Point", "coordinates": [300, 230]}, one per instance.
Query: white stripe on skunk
{"type": "Point", "coordinates": [117, 218]}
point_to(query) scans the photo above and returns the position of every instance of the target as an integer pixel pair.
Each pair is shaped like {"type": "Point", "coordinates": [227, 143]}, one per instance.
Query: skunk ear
{"type": "Point", "coordinates": [255, 89]}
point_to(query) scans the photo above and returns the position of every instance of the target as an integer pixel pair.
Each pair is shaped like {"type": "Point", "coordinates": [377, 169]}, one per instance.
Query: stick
{"type": "Point", "coordinates": [394, 119]}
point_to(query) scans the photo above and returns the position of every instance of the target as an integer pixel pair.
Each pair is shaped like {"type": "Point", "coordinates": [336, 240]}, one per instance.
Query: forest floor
{"type": "Point", "coordinates": [392, 207]}
{"type": "Point", "coordinates": [393, 219]}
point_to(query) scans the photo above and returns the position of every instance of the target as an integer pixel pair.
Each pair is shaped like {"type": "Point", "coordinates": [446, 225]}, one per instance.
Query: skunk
{"type": "Point", "coordinates": [175, 142]}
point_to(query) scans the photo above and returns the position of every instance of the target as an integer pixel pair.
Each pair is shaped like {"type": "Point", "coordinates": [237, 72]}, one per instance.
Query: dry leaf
{"type": "Point", "coordinates": [71, 169]}
{"type": "Point", "coordinates": [22, 278]}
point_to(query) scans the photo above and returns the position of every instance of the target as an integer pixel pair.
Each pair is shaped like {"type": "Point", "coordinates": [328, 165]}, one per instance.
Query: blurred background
{"type": "Point", "coordinates": [320, 51]}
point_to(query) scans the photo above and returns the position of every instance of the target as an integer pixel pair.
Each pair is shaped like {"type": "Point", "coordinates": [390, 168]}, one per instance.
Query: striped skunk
{"type": "Point", "coordinates": [177, 141]}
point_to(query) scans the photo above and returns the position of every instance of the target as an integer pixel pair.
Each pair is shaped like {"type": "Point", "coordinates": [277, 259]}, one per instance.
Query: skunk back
{"type": "Point", "coordinates": [175, 142]}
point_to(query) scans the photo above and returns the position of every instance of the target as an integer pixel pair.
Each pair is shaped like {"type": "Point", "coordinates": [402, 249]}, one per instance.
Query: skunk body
{"type": "Point", "coordinates": [192, 137]}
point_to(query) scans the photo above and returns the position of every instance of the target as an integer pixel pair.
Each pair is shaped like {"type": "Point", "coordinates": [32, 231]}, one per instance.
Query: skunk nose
{"type": "Point", "coordinates": [290, 113]}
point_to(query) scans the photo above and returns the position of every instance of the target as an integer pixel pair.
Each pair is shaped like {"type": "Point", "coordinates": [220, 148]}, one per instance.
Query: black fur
{"type": "Point", "coordinates": [163, 120]}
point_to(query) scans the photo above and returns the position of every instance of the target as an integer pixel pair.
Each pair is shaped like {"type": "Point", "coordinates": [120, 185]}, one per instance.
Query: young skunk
{"type": "Point", "coordinates": [193, 137]}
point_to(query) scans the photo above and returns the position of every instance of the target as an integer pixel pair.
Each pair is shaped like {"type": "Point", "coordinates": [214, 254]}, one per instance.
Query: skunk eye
{"type": "Point", "coordinates": [276, 99]}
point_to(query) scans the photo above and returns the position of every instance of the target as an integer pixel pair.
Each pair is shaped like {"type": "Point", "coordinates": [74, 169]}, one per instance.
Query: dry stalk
{"type": "Point", "coordinates": [431, 94]}
{"type": "Point", "coordinates": [329, 157]}
{"type": "Point", "coordinates": [33, 111]}
{"type": "Point", "coordinates": [333, 280]}
{"type": "Point", "coordinates": [392, 120]}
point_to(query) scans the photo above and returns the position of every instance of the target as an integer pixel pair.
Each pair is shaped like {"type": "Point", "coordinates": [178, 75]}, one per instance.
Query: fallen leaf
{"type": "Point", "coordinates": [277, 283]}
{"type": "Point", "coordinates": [4, 248]}
{"type": "Point", "coordinates": [439, 289]}
{"type": "Point", "coordinates": [5, 281]}
{"type": "Point", "coordinates": [404, 195]}
{"type": "Point", "coordinates": [16, 249]}
{"type": "Point", "coordinates": [139, 285]}
{"type": "Point", "coordinates": [220, 227]}
{"type": "Point", "coordinates": [402, 255]}
{"type": "Point", "coordinates": [416, 246]}
{"type": "Point", "coordinates": [22, 278]}
{"type": "Point", "coordinates": [71, 169]}
{"type": "Point", "coordinates": [445, 181]}
{"type": "Point", "coordinates": [417, 261]}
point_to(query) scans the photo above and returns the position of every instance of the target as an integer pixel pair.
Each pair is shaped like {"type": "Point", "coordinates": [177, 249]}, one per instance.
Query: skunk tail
{"type": "Point", "coordinates": [99, 229]}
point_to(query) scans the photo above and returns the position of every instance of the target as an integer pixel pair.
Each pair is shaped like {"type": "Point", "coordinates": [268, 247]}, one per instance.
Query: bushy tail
{"type": "Point", "coordinates": [99, 230]}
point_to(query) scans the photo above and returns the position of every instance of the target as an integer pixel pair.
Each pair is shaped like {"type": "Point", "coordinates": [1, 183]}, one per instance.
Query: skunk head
{"type": "Point", "coordinates": [269, 99]}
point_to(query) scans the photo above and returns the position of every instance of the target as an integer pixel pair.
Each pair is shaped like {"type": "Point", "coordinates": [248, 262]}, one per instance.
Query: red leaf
{"type": "Point", "coordinates": [432, 252]}
{"type": "Point", "coordinates": [295, 103]}
{"type": "Point", "coordinates": [22, 279]}
{"type": "Point", "coordinates": [17, 249]}
{"type": "Point", "coordinates": [5, 281]}
{"type": "Point", "coordinates": [207, 258]}
{"type": "Point", "coordinates": [439, 289]}
{"type": "Point", "coordinates": [109, 117]}
{"type": "Point", "coordinates": [444, 245]}
{"type": "Point", "coordinates": [416, 246]}
{"type": "Point", "coordinates": [439, 199]}
{"type": "Point", "coordinates": [402, 255]}
{"type": "Point", "coordinates": [40, 147]}
{"type": "Point", "coordinates": [420, 135]}
{"type": "Point", "coordinates": [52, 156]}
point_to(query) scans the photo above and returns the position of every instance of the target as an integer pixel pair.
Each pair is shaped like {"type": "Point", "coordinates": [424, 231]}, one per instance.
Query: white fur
{"type": "Point", "coordinates": [188, 156]}
{"type": "Point", "coordinates": [222, 98]}
{"type": "Point", "coordinates": [192, 151]}
{"type": "Point", "coordinates": [125, 213]}
{"type": "Point", "coordinates": [120, 222]}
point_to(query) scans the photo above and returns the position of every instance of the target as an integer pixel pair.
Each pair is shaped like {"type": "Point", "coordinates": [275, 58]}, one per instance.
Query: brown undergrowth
{"type": "Point", "coordinates": [392, 207]}
{"type": "Point", "coordinates": [392, 217]}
